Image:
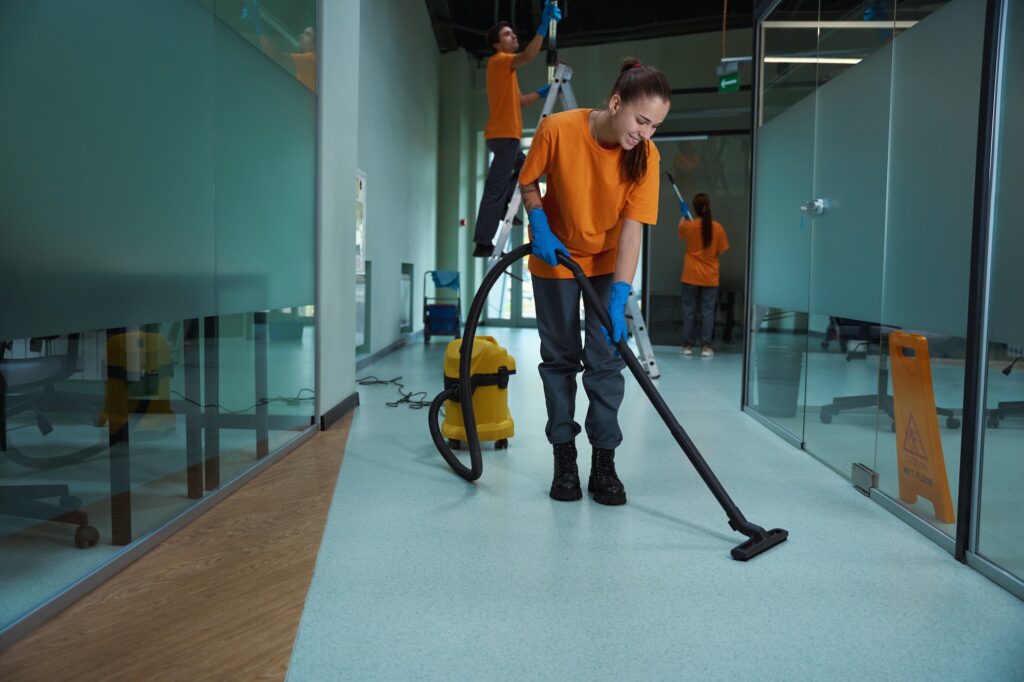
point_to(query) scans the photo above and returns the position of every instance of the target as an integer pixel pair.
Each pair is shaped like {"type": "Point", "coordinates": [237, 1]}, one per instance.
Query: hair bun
{"type": "Point", "coordinates": [629, 63]}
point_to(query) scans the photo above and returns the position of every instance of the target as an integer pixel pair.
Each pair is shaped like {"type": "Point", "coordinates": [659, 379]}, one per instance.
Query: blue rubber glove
{"type": "Point", "coordinates": [545, 243]}
{"type": "Point", "coordinates": [550, 12]}
{"type": "Point", "coordinates": [617, 311]}
{"type": "Point", "coordinates": [684, 208]}
{"type": "Point", "coordinates": [543, 90]}
{"type": "Point", "coordinates": [251, 13]}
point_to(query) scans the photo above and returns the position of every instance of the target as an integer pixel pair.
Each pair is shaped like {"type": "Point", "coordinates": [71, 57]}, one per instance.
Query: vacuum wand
{"type": "Point", "coordinates": [759, 539]}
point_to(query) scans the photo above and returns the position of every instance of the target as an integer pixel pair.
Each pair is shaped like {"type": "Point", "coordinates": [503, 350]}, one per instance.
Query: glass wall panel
{"type": "Point", "coordinates": [113, 185]}
{"type": "Point", "coordinates": [781, 246]}
{"type": "Point", "coordinates": [1000, 538]}
{"type": "Point", "coordinates": [929, 217]}
{"type": "Point", "coordinates": [156, 332]}
{"type": "Point", "coordinates": [718, 165]}
{"type": "Point", "coordinates": [845, 378]}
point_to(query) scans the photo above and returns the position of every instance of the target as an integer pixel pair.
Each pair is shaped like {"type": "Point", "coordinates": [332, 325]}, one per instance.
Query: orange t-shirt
{"type": "Point", "coordinates": [505, 114]}
{"type": "Point", "coordinates": [700, 266]}
{"type": "Point", "coordinates": [305, 68]}
{"type": "Point", "coordinates": [586, 198]}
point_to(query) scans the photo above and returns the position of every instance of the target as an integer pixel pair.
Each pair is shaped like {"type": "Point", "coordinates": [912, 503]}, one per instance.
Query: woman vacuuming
{"type": "Point", "coordinates": [602, 187]}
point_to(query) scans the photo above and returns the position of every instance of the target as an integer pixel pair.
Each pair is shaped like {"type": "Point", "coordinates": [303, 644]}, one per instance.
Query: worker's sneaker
{"type": "Point", "coordinates": [706, 352]}
{"type": "Point", "coordinates": [565, 486]}
{"type": "Point", "coordinates": [483, 251]}
{"type": "Point", "coordinates": [686, 350]}
{"type": "Point", "coordinates": [604, 482]}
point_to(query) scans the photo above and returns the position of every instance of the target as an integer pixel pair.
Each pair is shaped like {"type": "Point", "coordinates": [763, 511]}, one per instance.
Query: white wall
{"type": "Point", "coordinates": [397, 149]}
{"type": "Point", "coordinates": [337, 82]}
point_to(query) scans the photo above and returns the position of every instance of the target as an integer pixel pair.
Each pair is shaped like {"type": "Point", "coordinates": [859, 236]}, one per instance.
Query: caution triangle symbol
{"type": "Point", "coordinates": [912, 444]}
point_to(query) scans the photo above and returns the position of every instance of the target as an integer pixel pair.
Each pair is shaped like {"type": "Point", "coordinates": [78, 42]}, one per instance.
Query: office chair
{"type": "Point", "coordinates": [1007, 408]}
{"type": "Point", "coordinates": [31, 382]}
{"type": "Point", "coordinates": [855, 338]}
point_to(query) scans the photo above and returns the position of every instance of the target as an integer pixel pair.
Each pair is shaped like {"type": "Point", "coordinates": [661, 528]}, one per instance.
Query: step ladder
{"type": "Point", "coordinates": [561, 90]}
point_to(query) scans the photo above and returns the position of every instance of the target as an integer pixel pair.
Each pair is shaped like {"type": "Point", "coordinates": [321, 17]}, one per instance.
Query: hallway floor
{"type": "Point", "coordinates": [422, 575]}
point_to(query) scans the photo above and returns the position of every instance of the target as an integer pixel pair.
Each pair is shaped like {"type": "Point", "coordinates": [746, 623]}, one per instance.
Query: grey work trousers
{"type": "Point", "coordinates": [564, 356]}
{"type": "Point", "coordinates": [499, 187]}
{"type": "Point", "coordinates": [708, 298]}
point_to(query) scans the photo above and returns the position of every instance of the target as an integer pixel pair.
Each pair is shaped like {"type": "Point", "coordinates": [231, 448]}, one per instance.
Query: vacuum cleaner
{"type": "Point", "coordinates": [758, 539]}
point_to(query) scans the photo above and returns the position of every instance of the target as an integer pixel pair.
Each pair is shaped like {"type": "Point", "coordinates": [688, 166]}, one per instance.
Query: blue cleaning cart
{"type": "Point", "coordinates": [442, 312]}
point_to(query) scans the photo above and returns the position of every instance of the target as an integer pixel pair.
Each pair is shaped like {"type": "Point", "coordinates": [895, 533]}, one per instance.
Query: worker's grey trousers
{"type": "Point", "coordinates": [502, 177]}
{"type": "Point", "coordinates": [564, 356]}
{"type": "Point", "coordinates": [706, 298]}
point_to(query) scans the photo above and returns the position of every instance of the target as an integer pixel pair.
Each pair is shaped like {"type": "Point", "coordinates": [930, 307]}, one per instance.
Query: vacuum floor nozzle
{"type": "Point", "coordinates": [760, 542]}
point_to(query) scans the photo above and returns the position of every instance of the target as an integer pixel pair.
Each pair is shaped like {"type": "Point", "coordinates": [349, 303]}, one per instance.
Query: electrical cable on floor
{"type": "Point", "coordinates": [410, 398]}
{"type": "Point", "coordinates": [295, 400]}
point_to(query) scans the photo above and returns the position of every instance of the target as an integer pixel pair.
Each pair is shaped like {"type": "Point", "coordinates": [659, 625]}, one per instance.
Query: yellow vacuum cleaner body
{"type": "Point", "coordinates": [489, 370]}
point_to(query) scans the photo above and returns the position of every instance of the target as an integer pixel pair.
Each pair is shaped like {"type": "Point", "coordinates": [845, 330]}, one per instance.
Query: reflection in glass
{"type": "Point", "coordinates": [284, 30]}
{"type": "Point", "coordinates": [1000, 538]}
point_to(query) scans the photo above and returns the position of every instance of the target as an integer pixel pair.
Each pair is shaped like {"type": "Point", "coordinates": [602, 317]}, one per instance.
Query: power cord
{"type": "Point", "coordinates": [412, 399]}
{"type": "Point", "coordinates": [296, 400]}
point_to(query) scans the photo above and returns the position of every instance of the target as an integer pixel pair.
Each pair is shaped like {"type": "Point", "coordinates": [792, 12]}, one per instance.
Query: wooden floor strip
{"type": "Point", "coordinates": [221, 599]}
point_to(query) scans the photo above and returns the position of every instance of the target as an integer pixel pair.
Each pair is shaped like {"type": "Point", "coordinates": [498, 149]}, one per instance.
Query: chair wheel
{"type": "Point", "coordinates": [825, 415]}
{"type": "Point", "coordinates": [86, 536]}
{"type": "Point", "coordinates": [454, 443]}
{"type": "Point", "coordinates": [501, 444]}
{"type": "Point", "coordinates": [993, 422]}
{"type": "Point", "coordinates": [952, 423]}
{"type": "Point", "coordinates": [69, 503]}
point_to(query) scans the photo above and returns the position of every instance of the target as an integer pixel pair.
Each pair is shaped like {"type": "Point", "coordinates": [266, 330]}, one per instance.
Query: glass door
{"type": "Point", "coordinates": [783, 217]}
{"type": "Point", "coordinates": [847, 374]}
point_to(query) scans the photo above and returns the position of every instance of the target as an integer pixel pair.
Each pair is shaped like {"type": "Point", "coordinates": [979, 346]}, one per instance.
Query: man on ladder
{"type": "Point", "coordinates": [559, 89]}
{"type": "Point", "coordinates": [504, 128]}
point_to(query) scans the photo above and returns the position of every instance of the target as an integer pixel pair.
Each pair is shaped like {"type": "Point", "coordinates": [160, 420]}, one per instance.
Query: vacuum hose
{"type": "Point", "coordinates": [760, 540]}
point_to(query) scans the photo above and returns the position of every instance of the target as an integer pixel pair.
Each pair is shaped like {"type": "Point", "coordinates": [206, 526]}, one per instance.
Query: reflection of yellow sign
{"type": "Point", "coordinates": [151, 394]}
{"type": "Point", "coordinates": [922, 469]}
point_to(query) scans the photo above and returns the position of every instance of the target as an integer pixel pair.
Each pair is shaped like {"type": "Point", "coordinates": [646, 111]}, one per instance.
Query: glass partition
{"type": "Point", "coordinates": [718, 165]}
{"type": "Point", "coordinates": [156, 332]}
{"type": "Point", "coordinates": [861, 256]}
{"type": "Point", "coordinates": [929, 217]}
{"type": "Point", "coordinates": [784, 173]}
{"type": "Point", "coordinates": [1000, 539]}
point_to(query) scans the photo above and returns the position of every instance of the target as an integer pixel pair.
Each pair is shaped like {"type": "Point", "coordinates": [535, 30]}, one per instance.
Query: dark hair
{"type": "Point", "coordinates": [702, 205]}
{"type": "Point", "coordinates": [637, 81]}
{"type": "Point", "coordinates": [493, 34]}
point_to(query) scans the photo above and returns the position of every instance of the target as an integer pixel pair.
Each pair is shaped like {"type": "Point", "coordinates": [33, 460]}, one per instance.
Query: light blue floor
{"type": "Point", "coordinates": [424, 576]}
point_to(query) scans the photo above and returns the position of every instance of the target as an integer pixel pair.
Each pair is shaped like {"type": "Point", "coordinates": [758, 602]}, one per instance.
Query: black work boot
{"type": "Point", "coordinates": [604, 482]}
{"type": "Point", "coordinates": [566, 484]}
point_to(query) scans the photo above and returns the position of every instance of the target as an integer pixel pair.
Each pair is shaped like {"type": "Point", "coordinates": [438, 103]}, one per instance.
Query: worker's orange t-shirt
{"type": "Point", "coordinates": [505, 114]}
{"type": "Point", "coordinates": [700, 266]}
{"type": "Point", "coordinates": [586, 199]}
{"type": "Point", "coordinates": [305, 68]}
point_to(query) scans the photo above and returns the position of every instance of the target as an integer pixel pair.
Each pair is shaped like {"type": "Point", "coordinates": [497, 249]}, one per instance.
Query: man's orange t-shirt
{"type": "Point", "coordinates": [586, 199]}
{"type": "Point", "coordinates": [505, 114]}
{"type": "Point", "coordinates": [700, 267]}
{"type": "Point", "coordinates": [305, 68]}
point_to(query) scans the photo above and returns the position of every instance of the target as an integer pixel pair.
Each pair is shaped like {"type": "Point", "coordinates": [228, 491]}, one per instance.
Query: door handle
{"type": "Point", "coordinates": [814, 208]}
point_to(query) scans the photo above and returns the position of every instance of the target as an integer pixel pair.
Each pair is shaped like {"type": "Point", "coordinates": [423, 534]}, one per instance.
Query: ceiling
{"type": "Point", "coordinates": [462, 23]}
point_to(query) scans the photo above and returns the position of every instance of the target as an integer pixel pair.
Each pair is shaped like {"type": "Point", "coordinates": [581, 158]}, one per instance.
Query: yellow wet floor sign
{"type": "Point", "coordinates": [922, 469]}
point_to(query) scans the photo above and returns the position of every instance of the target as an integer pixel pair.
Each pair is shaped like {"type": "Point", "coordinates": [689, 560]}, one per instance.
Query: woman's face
{"type": "Point", "coordinates": [636, 120]}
